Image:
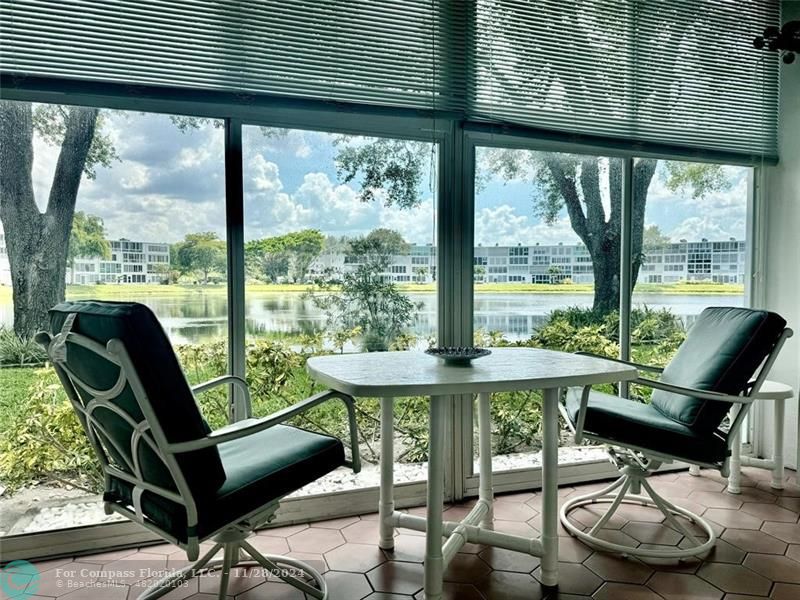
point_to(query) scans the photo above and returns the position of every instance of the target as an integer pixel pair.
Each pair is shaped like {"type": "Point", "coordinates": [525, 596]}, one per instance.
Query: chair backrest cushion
{"type": "Point", "coordinates": [162, 378]}
{"type": "Point", "coordinates": [721, 353]}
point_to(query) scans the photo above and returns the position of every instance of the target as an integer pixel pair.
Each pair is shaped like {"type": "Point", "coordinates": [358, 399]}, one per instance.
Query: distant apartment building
{"type": "Point", "coordinates": [418, 265]}
{"type": "Point", "coordinates": [130, 262]}
{"type": "Point", "coordinates": [720, 262]}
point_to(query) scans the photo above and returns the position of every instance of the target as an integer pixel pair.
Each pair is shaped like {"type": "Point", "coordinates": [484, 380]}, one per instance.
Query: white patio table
{"type": "Point", "coordinates": [387, 375]}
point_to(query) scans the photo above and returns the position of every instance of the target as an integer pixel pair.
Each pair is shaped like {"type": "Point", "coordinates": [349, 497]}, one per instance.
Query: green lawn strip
{"type": "Point", "coordinates": [119, 292]}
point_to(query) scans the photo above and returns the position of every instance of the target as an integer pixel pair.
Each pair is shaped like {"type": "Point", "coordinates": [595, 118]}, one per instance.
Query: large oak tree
{"type": "Point", "coordinates": [37, 241]}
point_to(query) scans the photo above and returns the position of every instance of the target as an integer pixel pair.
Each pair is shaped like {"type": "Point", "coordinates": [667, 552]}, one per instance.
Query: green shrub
{"type": "Point", "coordinates": [44, 440]}
{"type": "Point", "coordinates": [15, 350]}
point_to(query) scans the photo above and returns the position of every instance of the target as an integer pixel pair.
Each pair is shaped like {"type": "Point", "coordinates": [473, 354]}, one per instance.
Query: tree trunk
{"type": "Point", "coordinates": [37, 242]}
{"type": "Point", "coordinates": [606, 267]}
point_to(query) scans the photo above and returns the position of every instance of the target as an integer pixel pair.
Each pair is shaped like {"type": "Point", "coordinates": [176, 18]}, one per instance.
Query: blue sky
{"type": "Point", "coordinates": [169, 183]}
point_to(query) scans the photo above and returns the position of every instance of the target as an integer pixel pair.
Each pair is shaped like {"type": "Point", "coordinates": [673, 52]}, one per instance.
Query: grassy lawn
{"type": "Point", "coordinates": [112, 292]}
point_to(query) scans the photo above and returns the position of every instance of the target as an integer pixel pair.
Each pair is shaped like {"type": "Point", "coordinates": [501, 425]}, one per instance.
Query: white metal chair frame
{"type": "Point", "coordinates": [231, 538]}
{"type": "Point", "coordinates": [637, 463]}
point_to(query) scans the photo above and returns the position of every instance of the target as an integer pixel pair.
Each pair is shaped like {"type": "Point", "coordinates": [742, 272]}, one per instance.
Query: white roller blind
{"type": "Point", "coordinates": [368, 51]}
{"type": "Point", "coordinates": [679, 72]}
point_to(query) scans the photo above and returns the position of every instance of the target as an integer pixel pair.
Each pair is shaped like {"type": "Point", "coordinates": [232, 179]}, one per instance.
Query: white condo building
{"type": "Point", "coordinates": [719, 262]}
{"type": "Point", "coordinates": [130, 262]}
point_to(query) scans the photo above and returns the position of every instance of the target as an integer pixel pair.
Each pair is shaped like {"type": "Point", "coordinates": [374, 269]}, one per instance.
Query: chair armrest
{"type": "Point", "coordinates": [693, 392]}
{"type": "Point", "coordinates": [639, 366]}
{"type": "Point", "coordinates": [227, 379]}
{"type": "Point", "coordinates": [251, 426]}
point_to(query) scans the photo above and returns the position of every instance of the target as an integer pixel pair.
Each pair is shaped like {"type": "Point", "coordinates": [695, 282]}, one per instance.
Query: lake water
{"type": "Point", "coordinates": [201, 316]}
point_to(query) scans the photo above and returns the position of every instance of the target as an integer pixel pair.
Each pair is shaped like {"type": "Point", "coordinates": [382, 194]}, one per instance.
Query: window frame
{"type": "Point", "coordinates": [453, 262]}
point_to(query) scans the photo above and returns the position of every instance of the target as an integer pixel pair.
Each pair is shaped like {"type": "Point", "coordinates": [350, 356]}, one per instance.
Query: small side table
{"type": "Point", "coordinates": [778, 393]}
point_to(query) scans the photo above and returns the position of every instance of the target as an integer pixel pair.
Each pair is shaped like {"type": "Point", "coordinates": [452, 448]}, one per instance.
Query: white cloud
{"type": "Point", "coordinates": [501, 225]}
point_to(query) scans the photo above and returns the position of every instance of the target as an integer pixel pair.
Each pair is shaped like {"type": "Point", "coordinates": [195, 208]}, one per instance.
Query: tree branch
{"type": "Point", "coordinates": [78, 135]}
{"type": "Point", "coordinates": [590, 184]}
{"type": "Point", "coordinates": [569, 192]}
{"type": "Point", "coordinates": [17, 201]}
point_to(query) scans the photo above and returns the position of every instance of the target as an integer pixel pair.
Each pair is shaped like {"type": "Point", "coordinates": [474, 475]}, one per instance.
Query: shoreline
{"type": "Point", "coordinates": [133, 290]}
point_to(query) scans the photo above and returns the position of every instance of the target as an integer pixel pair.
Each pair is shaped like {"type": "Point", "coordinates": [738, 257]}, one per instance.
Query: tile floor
{"type": "Point", "coordinates": [757, 556]}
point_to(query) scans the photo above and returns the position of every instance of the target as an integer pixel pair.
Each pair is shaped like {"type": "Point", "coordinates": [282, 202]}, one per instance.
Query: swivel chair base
{"type": "Point", "coordinates": [234, 545]}
{"type": "Point", "coordinates": [625, 490]}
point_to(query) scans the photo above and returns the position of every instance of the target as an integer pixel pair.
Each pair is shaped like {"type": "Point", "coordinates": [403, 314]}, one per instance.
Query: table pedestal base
{"type": "Point", "coordinates": [475, 527]}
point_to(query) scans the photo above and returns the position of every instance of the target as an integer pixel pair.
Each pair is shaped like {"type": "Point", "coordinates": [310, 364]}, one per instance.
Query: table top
{"type": "Point", "coordinates": [414, 373]}
{"type": "Point", "coordinates": [773, 390]}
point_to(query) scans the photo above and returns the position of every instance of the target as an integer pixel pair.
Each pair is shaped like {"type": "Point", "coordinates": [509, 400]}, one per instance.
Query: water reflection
{"type": "Point", "coordinates": [201, 316]}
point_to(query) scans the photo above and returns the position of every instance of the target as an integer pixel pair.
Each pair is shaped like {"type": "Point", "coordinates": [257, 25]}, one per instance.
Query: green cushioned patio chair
{"type": "Point", "coordinates": [715, 373]}
{"type": "Point", "coordinates": [164, 467]}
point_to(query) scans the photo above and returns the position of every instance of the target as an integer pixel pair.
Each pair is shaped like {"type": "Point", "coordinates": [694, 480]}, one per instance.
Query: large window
{"type": "Point", "coordinates": [149, 226]}
{"type": "Point", "coordinates": [690, 249]}
{"type": "Point", "coordinates": [340, 256]}
{"type": "Point", "coordinates": [546, 261]}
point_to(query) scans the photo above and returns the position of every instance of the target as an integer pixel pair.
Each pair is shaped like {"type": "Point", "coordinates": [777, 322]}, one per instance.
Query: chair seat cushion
{"type": "Point", "coordinates": [638, 424]}
{"type": "Point", "coordinates": [259, 468]}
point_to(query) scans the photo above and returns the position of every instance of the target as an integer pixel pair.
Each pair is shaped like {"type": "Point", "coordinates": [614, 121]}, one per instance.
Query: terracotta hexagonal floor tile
{"type": "Point", "coordinates": [407, 548]}
{"type": "Point", "coordinates": [508, 560]}
{"type": "Point", "coordinates": [312, 559]}
{"type": "Point", "coordinates": [793, 552]}
{"type": "Point", "coordinates": [715, 499]}
{"type": "Point", "coordinates": [362, 532]}
{"type": "Point", "coordinates": [515, 527]}
{"type": "Point", "coordinates": [285, 531]}
{"type": "Point", "coordinates": [452, 591]}
{"type": "Point", "coordinates": [735, 579]}
{"type": "Point", "coordinates": [637, 512]}
{"type": "Point", "coordinates": [671, 565]}
{"type": "Point", "coordinates": [722, 552]}
{"type": "Point", "coordinates": [792, 504]}
{"type": "Point", "coordinates": [611, 567]}
{"type": "Point", "coordinates": [356, 558]}
{"type": "Point", "coordinates": [589, 515]}
{"type": "Point", "coordinates": [732, 518]}
{"type": "Point", "coordinates": [754, 494]}
{"type": "Point", "coordinates": [653, 533]}
{"type": "Point", "coordinates": [618, 591]}
{"type": "Point", "coordinates": [754, 541]}
{"type": "Point", "coordinates": [574, 578]}
{"type": "Point", "coordinates": [267, 544]}
{"type": "Point", "coordinates": [466, 568]}
{"type": "Point", "coordinates": [241, 580]}
{"type": "Point", "coordinates": [571, 549]}
{"type": "Point", "coordinates": [335, 523]}
{"type": "Point", "coordinates": [272, 590]}
{"type": "Point", "coordinates": [397, 577]}
{"type": "Point", "coordinates": [790, 491]}
{"type": "Point", "coordinates": [769, 512]}
{"type": "Point", "coordinates": [776, 568]}
{"type": "Point", "coordinates": [347, 586]}
{"type": "Point", "coordinates": [785, 591]}
{"type": "Point", "coordinates": [315, 540]}
{"type": "Point", "coordinates": [783, 531]}
{"type": "Point", "coordinates": [681, 586]}
{"type": "Point", "coordinates": [502, 585]}
{"type": "Point", "coordinates": [112, 592]}
{"type": "Point", "coordinates": [509, 511]}
{"type": "Point", "coordinates": [706, 484]}
{"type": "Point", "coordinates": [617, 537]}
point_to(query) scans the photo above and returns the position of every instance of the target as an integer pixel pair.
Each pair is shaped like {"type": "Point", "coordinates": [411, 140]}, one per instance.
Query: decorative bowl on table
{"type": "Point", "coordinates": [458, 356]}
